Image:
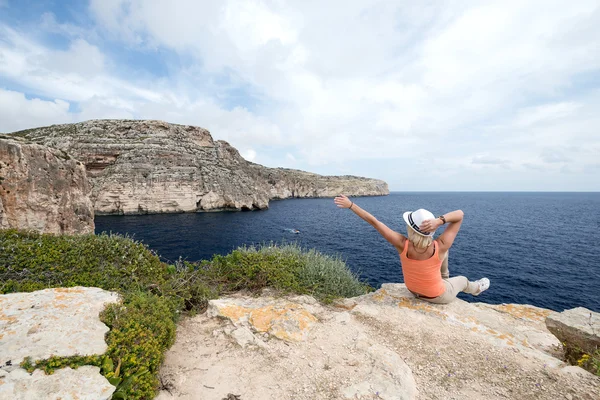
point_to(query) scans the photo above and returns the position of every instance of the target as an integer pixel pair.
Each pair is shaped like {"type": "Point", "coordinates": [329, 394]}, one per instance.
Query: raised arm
{"type": "Point", "coordinates": [395, 238]}
{"type": "Point", "coordinates": [454, 220]}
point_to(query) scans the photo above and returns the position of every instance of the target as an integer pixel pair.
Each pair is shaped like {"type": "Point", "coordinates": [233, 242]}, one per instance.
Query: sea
{"type": "Point", "coordinates": [536, 248]}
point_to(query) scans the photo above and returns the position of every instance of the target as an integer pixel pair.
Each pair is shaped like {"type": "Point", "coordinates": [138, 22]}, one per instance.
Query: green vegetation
{"type": "Point", "coordinates": [287, 268]}
{"type": "Point", "coordinates": [154, 293]}
{"type": "Point", "coordinates": [576, 356]}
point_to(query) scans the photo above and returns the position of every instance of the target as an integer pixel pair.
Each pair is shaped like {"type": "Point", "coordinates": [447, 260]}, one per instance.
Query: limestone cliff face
{"type": "Point", "coordinates": [139, 167]}
{"type": "Point", "coordinates": [43, 189]}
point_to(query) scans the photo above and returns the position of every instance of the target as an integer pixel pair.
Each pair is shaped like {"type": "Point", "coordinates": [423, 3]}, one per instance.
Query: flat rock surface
{"type": "Point", "coordinates": [83, 383]}
{"type": "Point", "coordinates": [283, 319]}
{"type": "Point", "coordinates": [61, 322]}
{"type": "Point", "coordinates": [384, 345]}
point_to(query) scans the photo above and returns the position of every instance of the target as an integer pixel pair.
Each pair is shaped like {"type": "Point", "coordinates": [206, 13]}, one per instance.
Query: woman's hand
{"type": "Point", "coordinates": [342, 201]}
{"type": "Point", "coordinates": [430, 225]}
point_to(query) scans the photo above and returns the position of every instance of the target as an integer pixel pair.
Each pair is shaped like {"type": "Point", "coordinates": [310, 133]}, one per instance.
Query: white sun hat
{"type": "Point", "coordinates": [414, 219]}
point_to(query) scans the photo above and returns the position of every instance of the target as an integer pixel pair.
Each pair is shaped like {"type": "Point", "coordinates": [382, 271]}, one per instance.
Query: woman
{"type": "Point", "coordinates": [424, 260]}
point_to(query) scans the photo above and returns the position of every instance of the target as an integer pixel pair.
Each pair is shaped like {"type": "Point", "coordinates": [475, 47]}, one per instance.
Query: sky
{"type": "Point", "coordinates": [436, 95]}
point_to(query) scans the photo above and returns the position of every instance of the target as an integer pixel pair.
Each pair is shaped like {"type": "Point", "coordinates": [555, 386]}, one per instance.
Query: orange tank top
{"type": "Point", "coordinates": [423, 276]}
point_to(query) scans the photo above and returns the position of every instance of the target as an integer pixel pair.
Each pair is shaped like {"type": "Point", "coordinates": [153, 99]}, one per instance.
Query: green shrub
{"type": "Point", "coordinates": [141, 331]}
{"type": "Point", "coordinates": [288, 268]}
{"type": "Point", "coordinates": [143, 326]}
{"type": "Point", "coordinates": [30, 261]}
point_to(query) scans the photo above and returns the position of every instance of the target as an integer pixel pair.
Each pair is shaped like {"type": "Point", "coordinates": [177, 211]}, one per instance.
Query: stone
{"type": "Point", "coordinates": [43, 189]}
{"type": "Point", "coordinates": [392, 365]}
{"type": "Point", "coordinates": [243, 336]}
{"type": "Point", "coordinates": [575, 370]}
{"type": "Point", "coordinates": [379, 387]}
{"type": "Point", "coordinates": [358, 389]}
{"type": "Point", "coordinates": [510, 325]}
{"type": "Point", "coordinates": [304, 299]}
{"type": "Point", "coordinates": [140, 167]}
{"type": "Point", "coordinates": [83, 383]}
{"type": "Point", "coordinates": [346, 304]}
{"type": "Point", "coordinates": [280, 318]}
{"type": "Point", "coordinates": [389, 376]}
{"type": "Point", "coordinates": [342, 318]}
{"type": "Point", "coordinates": [578, 327]}
{"type": "Point", "coordinates": [60, 322]}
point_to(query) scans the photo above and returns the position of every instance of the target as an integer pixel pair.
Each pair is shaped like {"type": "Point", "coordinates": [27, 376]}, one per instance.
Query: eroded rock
{"type": "Point", "coordinates": [283, 319]}
{"type": "Point", "coordinates": [388, 378]}
{"type": "Point", "coordinates": [43, 189]}
{"type": "Point", "coordinates": [511, 325]}
{"type": "Point", "coordinates": [578, 327]}
{"type": "Point", "coordinates": [83, 383]}
{"type": "Point", "coordinates": [61, 322]}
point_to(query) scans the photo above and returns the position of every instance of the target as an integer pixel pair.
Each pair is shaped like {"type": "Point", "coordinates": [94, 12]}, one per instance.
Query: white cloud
{"type": "Point", "coordinates": [482, 159]}
{"type": "Point", "coordinates": [17, 112]}
{"type": "Point", "coordinates": [545, 113]}
{"type": "Point", "coordinates": [460, 87]}
{"type": "Point", "coordinates": [80, 75]}
{"type": "Point", "coordinates": [555, 155]}
{"type": "Point", "coordinates": [249, 154]}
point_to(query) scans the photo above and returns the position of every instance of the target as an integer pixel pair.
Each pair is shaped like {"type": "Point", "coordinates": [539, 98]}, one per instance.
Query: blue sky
{"type": "Point", "coordinates": [495, 95]}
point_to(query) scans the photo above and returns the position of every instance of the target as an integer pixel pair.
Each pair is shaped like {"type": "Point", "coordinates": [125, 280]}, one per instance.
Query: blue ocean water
{"type": "Point", "coordinates": [536, 248]}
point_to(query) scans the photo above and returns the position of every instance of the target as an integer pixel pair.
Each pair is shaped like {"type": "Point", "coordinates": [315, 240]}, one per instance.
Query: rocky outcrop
{"type": "Point", "coordinates": [282, 319]}
{"type": "Point", "coordinates": [383, 345]}
{"type": "Point", "coordinates": [83, 383]}
{"type": "Point", "coordinates": [43, 189]}
{"type": "Point", "coordinates": [60, 322]}
{"type": "Point", "coordinates": [578, 327]}
{"type": "Point", "coordinates": [139, 167]}
{"type": "Point", "coordinates": [29, 324]}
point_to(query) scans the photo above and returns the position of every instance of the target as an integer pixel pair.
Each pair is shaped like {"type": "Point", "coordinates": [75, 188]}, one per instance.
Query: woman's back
{"type": "Point", "coordinates": [422, 274]}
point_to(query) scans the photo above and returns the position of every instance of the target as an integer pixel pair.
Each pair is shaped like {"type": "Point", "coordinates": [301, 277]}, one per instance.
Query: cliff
{"type": "Point", "coordinates": [139, 167]}
{"type": "Point", "coordinates": [382, 345]}
{"type": "Point", "coordinates": [43, 189]}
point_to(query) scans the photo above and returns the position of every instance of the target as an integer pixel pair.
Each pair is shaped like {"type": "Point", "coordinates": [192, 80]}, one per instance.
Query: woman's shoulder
{"type": "Point", "coordinates": [403, 243]}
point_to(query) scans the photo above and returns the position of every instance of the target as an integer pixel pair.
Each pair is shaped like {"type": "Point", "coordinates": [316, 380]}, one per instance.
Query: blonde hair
{"type": "Point", "coordinates": [419, 241]}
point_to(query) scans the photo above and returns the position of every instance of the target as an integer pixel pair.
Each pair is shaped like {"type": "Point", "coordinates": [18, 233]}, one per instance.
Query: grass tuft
{"type": "Point", "coordinates": [287, 267]}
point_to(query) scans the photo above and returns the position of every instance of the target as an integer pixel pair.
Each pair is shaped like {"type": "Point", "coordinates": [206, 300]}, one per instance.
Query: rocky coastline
{"type": "Point", "coordinates": [142, 167]}
{"type": "Point", "coordinates": [269, 325]}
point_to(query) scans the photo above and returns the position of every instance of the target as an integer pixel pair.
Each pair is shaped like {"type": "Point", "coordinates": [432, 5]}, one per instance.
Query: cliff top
{"type": "Point", "coordinates": [142, 129]}
{"type": "Point", "coordinates": [384, 345]}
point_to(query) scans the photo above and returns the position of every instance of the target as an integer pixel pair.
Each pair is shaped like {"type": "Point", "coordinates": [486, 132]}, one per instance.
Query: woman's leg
{"type": "Point", "coordinates": [454, 286]}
